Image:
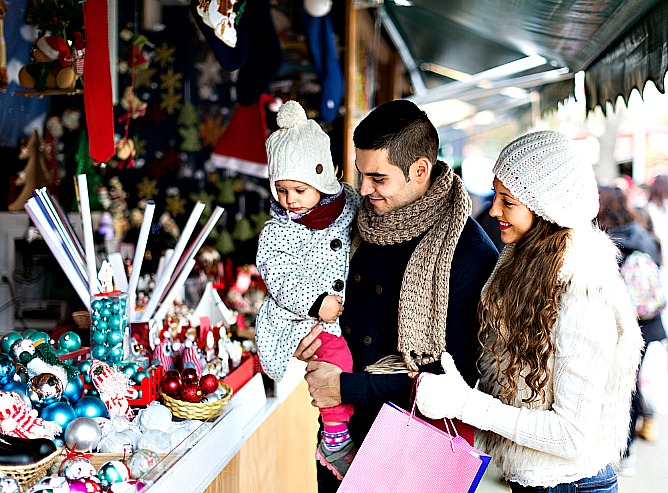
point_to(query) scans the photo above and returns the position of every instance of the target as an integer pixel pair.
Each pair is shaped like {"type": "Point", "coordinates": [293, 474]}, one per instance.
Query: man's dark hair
{"type": "Point", "coordinates": [403, 129]}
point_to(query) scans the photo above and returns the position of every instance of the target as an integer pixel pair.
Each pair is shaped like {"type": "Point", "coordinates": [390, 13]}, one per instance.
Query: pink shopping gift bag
{"type": "Point", "coordinates": [402, 453]}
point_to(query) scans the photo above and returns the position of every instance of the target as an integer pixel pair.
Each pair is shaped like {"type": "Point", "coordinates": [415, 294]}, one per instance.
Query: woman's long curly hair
{"type": "Point", "coordinates": [520, 308]}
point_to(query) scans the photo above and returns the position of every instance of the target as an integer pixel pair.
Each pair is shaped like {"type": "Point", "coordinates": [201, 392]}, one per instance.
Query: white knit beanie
{"type": "Point", "coordinates": [299, 151]}
{"type": "Point", "coordinates": [543, 171]}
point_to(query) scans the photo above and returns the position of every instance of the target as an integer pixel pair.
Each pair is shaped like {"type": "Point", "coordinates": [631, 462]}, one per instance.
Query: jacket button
{"type": "Point", "coordinates": [335, 244]}
{"type": "Point", "coordinates": [357, 278]}
{"type": "Point", "coordinates": [338, 285]}
{"type": "Point", "coordinates": [347, 331]}
{"type": "Point", "coordinates": [379, 289]}
{"type": "Point", "coordinates": [367, 340]}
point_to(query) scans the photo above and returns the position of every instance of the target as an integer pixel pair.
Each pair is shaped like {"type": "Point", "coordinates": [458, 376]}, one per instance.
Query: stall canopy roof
{"type": "Point", "coordinates": [497, 56]}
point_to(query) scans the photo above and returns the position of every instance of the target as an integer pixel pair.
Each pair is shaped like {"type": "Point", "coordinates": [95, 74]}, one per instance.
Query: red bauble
{"type": "Point", "coordinates": [171, 385]}
{"type": "Point", "coordinates": [174, 373]}
{"type": "Point", "coordinates": [208, 383]}
{"type": "Point", "coordinates": [191, 392]}
{"type": "Point", "coordinates": [189, 375]}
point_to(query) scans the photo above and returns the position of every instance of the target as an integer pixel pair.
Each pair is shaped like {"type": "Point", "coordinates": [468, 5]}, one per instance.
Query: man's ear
{"type": "Point", "coordinates": [422, 169]}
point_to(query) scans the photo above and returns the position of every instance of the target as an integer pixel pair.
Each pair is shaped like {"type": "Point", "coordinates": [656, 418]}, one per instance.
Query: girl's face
{"type": "Point", "coordinates": [515, 218]}
{"type": "Point", "coordinates": [296, 196]}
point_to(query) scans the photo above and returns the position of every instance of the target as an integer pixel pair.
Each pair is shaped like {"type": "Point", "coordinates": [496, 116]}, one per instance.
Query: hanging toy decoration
{"type": "Point", "coordinates": [115, 388]}
{"type": "Point", "coordinates": [79, 53]}
{"type": "Point", "coordinates": [19, 420]}
{"type": "Point", "coordinates": [52, 66]}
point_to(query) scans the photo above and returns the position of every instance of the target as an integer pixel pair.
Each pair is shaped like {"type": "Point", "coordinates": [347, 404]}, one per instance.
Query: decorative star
{"type": "Point", "coordinates": [210, 130]}
{"type": "Point", "coordinates": [147, 188]}
{"type": "Point", "coordinates": [140, 146]}
{"type": "Point", "coordinates": [164, 55]}
{"type": "Point", "coordinates": [144, 77]}
{"type": "Point", "coordinates": [170, 101]}
{"type": "Point", "coordinates": [175, 205]}
{"type": "Point", "coordinates": [209, 70]}
{"type": "Point", "coordinates": [170, 80]}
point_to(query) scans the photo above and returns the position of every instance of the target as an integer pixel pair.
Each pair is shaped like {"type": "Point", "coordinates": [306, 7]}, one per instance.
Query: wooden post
{"type": "Point", "coordinates": [350, 76]}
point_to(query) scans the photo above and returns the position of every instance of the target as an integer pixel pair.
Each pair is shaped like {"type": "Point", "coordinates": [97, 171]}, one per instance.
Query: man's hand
{"type": "Point", "coordinates": [310, 344]}
{"type": "Point", "coordinates": [331, 308]}
{"type": "Point", "coordinates": [324, 383]}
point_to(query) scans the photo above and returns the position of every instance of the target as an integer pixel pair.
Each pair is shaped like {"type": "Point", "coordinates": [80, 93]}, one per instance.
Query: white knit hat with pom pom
{"type": "Point", "coordinates": [543, 171]}
{"type": "Point", "coordinates": [299, 150]}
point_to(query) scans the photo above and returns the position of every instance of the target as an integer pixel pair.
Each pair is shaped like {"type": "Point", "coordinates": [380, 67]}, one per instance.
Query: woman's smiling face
{"type": "Point", "coordinates": [515, 218]}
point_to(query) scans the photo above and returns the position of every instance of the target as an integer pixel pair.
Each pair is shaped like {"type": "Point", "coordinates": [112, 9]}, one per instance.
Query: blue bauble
{"type": "Point", "coordinates": [60, 412]}
{"type": "Point", "coordinates": [70, 341]}
{"type": "Point", "coordinates": [74, 389]}
{"type": "Point", "coordinates": [116, 354]}
{"type": "Point", "coordinates": [115, 322]}
{"type": "Point", "coordinates": [115, 337]}
{"type": "Point", "coordinates": [99, 352]}
{"type": "Point", "coordinates": [98, 336]}
{"type": "Point", "coordinates": [40, 335]}
{"type": "Point", "coordinates": [92, 392]}
{"type": "Point", "coordinates": [91, 407]}
{"type": "Point", "coordinates": [105, 312]}
{"type": "Point", "coordinates": [139, 376]}
{"type": "Point", "coordinates": [84, 366]}
{"type": "Point", "coordinates": [128, 368]}
{"type": "Point", "coordinates": [97, 305]}
{"type": "Point", "coordinates": [16, 387]}
{"type": "Point", "coordinates": [7, 370]}
{"type": "Point", "coordinates": [116, 307]}
{"type": "Point", "coordinates": [7, 341]}
{"type": "Point", "coordinates": [26, 333]}
{"type": "Point", "coordinates": [102, 325]}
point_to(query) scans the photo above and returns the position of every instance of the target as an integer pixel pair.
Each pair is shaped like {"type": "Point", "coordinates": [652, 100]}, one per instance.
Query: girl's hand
{"type": "Point", "coordinates": [331, 308]}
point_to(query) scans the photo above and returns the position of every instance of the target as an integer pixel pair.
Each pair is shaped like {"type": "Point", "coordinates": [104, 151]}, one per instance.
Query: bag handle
{"type": "Point", "coordinates": [448, 422]}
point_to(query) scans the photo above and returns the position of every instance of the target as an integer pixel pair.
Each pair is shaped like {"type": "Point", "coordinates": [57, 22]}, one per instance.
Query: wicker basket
{"type": "Point", "coordinates": [29, 474]}
{"type": "Point", "coordinates": [82, 319]}
{"type": "Point", "coordinates": [197, 410]}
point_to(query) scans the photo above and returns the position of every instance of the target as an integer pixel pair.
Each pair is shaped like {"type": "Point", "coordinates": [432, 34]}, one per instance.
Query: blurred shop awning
{"type": "Point", "coordinates": [486, 58]}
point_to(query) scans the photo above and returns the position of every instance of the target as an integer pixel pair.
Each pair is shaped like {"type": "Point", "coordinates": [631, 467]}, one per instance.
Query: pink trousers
{"type": "Point", "coordinates": [335, 350]}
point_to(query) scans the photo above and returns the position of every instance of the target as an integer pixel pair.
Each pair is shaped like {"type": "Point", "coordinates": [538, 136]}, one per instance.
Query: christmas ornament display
{"type": "Point", "coordinates": [82, 434]}
{"type": "Point", "coordinates": [108, 329]}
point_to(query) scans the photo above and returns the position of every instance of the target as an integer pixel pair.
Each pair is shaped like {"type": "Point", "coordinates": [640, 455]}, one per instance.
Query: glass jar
{"type": "Point", "coordinates": [109, 330]}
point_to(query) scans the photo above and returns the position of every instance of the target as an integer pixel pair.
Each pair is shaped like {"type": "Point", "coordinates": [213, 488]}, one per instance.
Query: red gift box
{"type": "Point", "coordinates": [249, 366]}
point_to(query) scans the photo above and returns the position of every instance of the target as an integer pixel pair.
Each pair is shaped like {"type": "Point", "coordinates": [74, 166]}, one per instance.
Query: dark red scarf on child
{"type": "Point", "coordinates": [321, 216]}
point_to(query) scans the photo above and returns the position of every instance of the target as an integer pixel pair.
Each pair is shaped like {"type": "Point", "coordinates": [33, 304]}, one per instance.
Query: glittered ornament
{"type": "Point", "coordinates": [8, 484]}
{"type": "Point", "coordinates": [171, 385]}
{"type": "Point", "coordinates": [60, 412]}
{"type": "Point", "coordinates": [189, 375]}
{"type": "Point", "coordinates": [82, 434]}
{"type": "Point", "coordinates": [191, 392]}
{"type": "Point", "coordinates": [7, 370]}
{"type": "Point", "coordinates": [112, 472]}
{"type": "Point", "coordinates": [208, 383]}
{"type": "Point", "coordinates": [141, 462]}
{"type": "Point", "coordinates": [7, 341]}
{"type": "Point", "coordinates": [86, 485]}
{"type": "Point", "coordinates": [69, 341]}
{"type": "Point", "coordinates": [77, 468]}
{"type": "Point", "coordinates": [50, 484]}
{"type": "Point", "coordinates": [91, 407]}
{"type": "Point", "coordinates": [44, 389]}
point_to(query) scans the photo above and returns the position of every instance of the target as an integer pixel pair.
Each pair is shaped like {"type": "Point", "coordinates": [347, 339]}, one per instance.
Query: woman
{"type": "Point", "coordinates": [620, 223]}
{"type": "Point", "coordinates": [561, 345]}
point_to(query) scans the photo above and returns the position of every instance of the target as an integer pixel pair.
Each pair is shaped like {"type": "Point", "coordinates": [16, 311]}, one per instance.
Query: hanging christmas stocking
{"type": "Point", "coordinates": [320, 38]}
{"type": "Point", "coordinates": [230, 58]}
{"type": "Point", "coordinates": [264, 54]}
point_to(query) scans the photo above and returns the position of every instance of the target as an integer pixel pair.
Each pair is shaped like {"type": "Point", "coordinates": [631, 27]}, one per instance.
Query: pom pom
{"type": "Point", "coordinates": [290, 114]}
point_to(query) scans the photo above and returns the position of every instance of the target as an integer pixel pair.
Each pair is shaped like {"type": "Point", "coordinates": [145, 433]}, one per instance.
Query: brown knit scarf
{"type": "Point", "coordinates": [423, 301]}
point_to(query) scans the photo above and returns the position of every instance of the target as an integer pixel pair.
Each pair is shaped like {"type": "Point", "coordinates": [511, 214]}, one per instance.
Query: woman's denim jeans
{"type": "Point", "coordinates": [604, 482]}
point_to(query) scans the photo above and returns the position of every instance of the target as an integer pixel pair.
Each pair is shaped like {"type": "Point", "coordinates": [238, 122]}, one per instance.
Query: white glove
{"type": "Point", "coordinates": [443, 396]}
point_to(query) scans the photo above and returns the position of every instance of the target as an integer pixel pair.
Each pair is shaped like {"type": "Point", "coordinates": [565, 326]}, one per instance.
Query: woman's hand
{"type": "Point", "coordinates": [310, 344]}
{"type": "Point", "coordinates": [443, 396]}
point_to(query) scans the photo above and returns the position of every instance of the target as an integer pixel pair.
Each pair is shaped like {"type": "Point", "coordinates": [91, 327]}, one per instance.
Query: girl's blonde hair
{"type": "Point", "coordinates": [520, 307]}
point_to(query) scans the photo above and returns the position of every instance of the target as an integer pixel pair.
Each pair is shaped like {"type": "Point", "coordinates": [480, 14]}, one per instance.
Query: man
{"type": "Point", "coordinates": [419, 262]}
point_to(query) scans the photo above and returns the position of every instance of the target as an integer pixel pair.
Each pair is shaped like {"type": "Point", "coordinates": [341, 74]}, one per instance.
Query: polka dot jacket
{"type": "Point", "coordinates": [298, 265]}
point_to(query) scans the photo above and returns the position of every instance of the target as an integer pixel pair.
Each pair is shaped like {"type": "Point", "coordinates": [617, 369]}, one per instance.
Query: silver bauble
{"type": "Point", "coordinates": [82, 434]}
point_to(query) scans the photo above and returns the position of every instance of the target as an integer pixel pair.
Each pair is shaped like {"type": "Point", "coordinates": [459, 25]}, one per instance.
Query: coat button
{"type": "Point", "coordinates": [347, 331]}
{"type": "Point", "coordinates": [338, 285]}
{"type": "Point", "coordinates": [379, 289]}
{"type": "Point", "coordinates": [367, 340]}
{"type": "Point", "coordinates": [357, 277]}
{"type": "Point", "coordinates": [335, 244]}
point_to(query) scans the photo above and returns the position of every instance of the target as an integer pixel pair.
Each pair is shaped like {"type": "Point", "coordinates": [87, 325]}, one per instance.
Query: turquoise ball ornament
{"type": "Point", "coordinates": [115, 354]}
{"type": "Point", "coordinates": [115, 337]}
{"type": "Point", "coordinates": [115, 322]}
{"type": "Point", "coordinates": [90, 407]}
{"type": "Point", "coordinates": [60, 412]}
{"type": "Point", "coordinates": [26, 333]}
{"type": "Point", "coordinates": [98, 336]}
{"type": "Point", "coordinates": [16, 387]}
{"type": "Point", "coordinates": [84, 366]}
{"type": "Point", "coordinates": [74, 389]}
{"type": "Point", "coordinates": [92, 392]}
{"type": "Point", "coordinates": [70, 341]}
{"type": "Point", "coordinates": [7, 341]}
{"type": "Point", "coordinates": [102, 325]}
{"type": "Point", "coordinates": [140, 375]}
{"type": "Point", "coordinates": [40, 335]}
{"type": "Point", "coordinates": [7, 370]}
{"type": "Point", "coordinates": [112, 472]}
{"type": "Point", "coordinates": [128, 368]}
{"type": "Point", "coordinates": [97, 305]}
{"type": "Point", "coordinates": [100, 352]}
